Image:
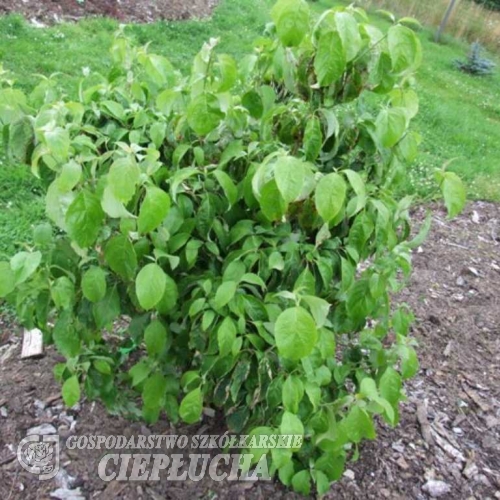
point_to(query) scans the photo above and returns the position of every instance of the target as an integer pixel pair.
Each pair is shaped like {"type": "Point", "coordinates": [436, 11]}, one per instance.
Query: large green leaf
{"type": "Point", "coordinates": [123, 178]}
{"type": "Point", "coordinates": [289, 174]}
{"type": "Point", "coordinates": [155, 337]}
{"type": "Point", "coordinates": [23, 265]}
{"type": "Point", "coordinates": [405, 49]}
{"type": "Point", "coordinates": [349, 33]}
{"type": "Point", "coordinates": [153, 210]}
{"type": "Point", "coordinates": [313, 138]}
{"type": "Point", "coordinates": [71, 391]}
{"type": "Point", "coordinates": [94, 284]}
{"type": "Point", "coordinates": [204, 114]}
{"type": "Point", "coordinates": [226, 335]}
{"type": "Point", "coordinates": [454, 194]}
{"type": "Point", "coordinates": [391, 126]}
{"type": "Point", "coordinates": [295, 333]}
{"type": "Point", "coordinates": [120, 256]}
{"type": "Point", "coordinates": [330, 60]}
{"type": "Point", "coordinates": [7, 279]}
{"type": "Point", "coordinates": [291, 18]}
{"type": "Point", "coordinates": [191, 406]}
{"type": "Point", "coordinates": [21, 139]}
{"type": "Point", "coordinates": [329, 196]}
{"type": "Point", "coordinates": [150, 285]}
{"type": "Point", "coordinates": [84, 218]}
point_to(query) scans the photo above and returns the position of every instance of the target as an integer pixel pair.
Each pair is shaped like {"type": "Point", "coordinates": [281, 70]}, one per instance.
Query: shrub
{"type": "Point", "coordinates": [475, 64]}
{"type": "Point", "coordinates": [238, 223]}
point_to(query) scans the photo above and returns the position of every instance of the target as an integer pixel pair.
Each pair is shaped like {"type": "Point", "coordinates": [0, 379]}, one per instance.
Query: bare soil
{"type": "Point", "coordinates": [143, 11]}
{"type": "Point", "coordinates": [450, 423]}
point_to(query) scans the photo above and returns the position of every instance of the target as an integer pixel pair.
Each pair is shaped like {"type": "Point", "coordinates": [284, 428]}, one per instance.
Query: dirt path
{"type": "Point", "coordinates": [454, 401]}
{"type": "Point", "coordinates": [143, 11]}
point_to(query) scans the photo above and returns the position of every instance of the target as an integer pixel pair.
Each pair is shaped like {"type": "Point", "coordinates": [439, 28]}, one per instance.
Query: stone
{"type": "Point", "coordinates": [436, 488]}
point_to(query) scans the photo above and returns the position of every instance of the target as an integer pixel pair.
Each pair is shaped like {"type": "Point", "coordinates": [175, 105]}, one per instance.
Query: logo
{"type": "Point", "coordinates": [39, 455]}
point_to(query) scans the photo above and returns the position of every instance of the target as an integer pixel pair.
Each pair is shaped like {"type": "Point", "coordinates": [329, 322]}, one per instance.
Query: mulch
{"type": "Point", "coordinates": [42, 12]}
{"type": "Point", "coordinates": [447, 443]}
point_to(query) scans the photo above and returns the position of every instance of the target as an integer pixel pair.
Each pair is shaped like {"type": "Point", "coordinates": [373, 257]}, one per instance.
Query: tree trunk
{"type": "Point", "coordinates": [445, 20]}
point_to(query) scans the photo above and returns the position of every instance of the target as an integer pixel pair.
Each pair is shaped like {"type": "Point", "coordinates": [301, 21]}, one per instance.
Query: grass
{"type": "Point", "coordinates": [459, 118]}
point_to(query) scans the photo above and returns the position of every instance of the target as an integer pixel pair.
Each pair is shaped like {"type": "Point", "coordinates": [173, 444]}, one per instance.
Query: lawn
{"type": "Point", "coordinates": [459, 118]}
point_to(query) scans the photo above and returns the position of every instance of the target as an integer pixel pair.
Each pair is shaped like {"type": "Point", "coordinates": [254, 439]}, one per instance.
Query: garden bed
{"type": "Point", "coordinates": [42, 12]}
{"type": "Point", "coordinates": [450, 424]}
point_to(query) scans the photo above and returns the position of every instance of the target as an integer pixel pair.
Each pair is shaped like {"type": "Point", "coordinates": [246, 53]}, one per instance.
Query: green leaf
{"type": "Point", "coordinates": [330, 61]}
{"type": "Point", "coordinates": [23, 265]}
{"type": "Point", "coordinates": [349, 33]}
{"type": "Point", "coordinates": [276, 261]}
{"type": "Point", "coordinates": [108, 309]}
{"type": "Point", "coordinates": [358, 186]}
{"type": "Point", "coordinates": [390, 386]}
{"type": "Point", "coordinates": [295, 333]}
{"type": "Point", "coordinates": [319, 309]}
{"type": "Point", "coordinates": [123, 178]}
{"type": "Point", "coordinates": [291, 18]}
{"type": "Point", "coordinates": [204, 114]}
{"type": "Point", "coordinates": [405, 49]}
{"type": "Point", "coordinates": [120, 256]}
{"type": "Point", "coordinates": [330, 196]}
{"type": "Point", "coordinates": [313, 138]}
{"type": "Point", "coordinates": [69, 177]}
{"type": "Point", "coordinates": [170, 296]}
{"type": "Point", "coordinates": [153, 393]}
{"type": "Point", "coordinates": [153, 210]}
{"type": "Point", "coordinates": [7, 279]}
{"type": "Point", "coordinates": [21, 139]}
{"type": "Point", "coordinates": [228, 70]}
{"type": "Point", "coordinates": [94, 284]}
{"type": "Point", "coordinates": [322, 482]}
{"type": "Point", "coordinates": [139, 372]}
{"type": "Point", "coordinates": [84, 218]}
{"type": "Point", "coordinates": [301, 482]}
{"type": "Point", "coordinates": [58, 142]}
{"type": "Point", "coordinates": [65, 336]}
{"type": "Point", "coordinates": [150, 285]}
{"type": "Point", "coordinates": [291, 424]}
{"type": "Point", "coordinates": [391, 126]}
{"type": "Point", "coordinates": [63, 293]}
{"type": "Point", "coordinates": [155, 337]}
{"type": "Point", "coordinates": [289, 174]}
{"type": "Point", "coordinates": [253, 103]}
{"type": "Point", "coordinates": [409, 362]}
{"type": "Point", "coordinates": [113, 108]}
{"type": "Point", "coordinates": [226, 183]}
{"type": "Point", "coordinates": [359, 425]}
{"type": "Point", "coordinates": [292, 393]}
{"type": "Point", "coordinates": [71, 391]}
{"type": "Point", "coordinates": [454, 193]}
{"type": "Point", "coordinates": [42, 234]}
{"type": "Point", "coordinates": [191, 406]}
{"type": "Point", "coordinates": [224, 294]}
{"type": "Point", "coordinates": [271, 202]}
{"type": "Point", "coordinates": [226, 335]}
{"type": "Point", "coordinates": [368, 388]}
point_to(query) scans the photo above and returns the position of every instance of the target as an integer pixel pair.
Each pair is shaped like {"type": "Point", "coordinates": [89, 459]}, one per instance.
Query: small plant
{"type": "Point", "coordinates": [475, 64]}
{"type": "Point", "coordinates": [241, 222]}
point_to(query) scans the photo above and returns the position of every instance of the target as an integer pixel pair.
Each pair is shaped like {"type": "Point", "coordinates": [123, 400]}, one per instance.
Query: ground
{"type": "Point", "coordinates": [50, 11]}
{"type": "Point", "coordinates": [450, 424]}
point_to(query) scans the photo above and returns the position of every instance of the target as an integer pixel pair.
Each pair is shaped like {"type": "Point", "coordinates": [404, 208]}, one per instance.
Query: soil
{"type": "Point", "coordinates": [41, 12]}
{"type": "Point", "coordinates": [448, 441]}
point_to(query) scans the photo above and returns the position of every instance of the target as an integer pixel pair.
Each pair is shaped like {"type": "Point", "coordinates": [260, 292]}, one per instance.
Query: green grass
{"type": "Point", "coordinates": [459, 118]}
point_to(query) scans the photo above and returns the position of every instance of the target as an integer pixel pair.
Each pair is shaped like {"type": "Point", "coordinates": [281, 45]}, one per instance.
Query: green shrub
{"type": "Point", "coordinates": [239, 222]}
